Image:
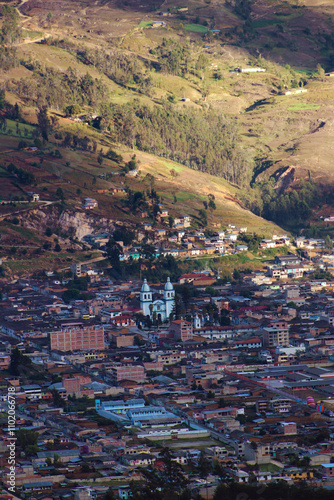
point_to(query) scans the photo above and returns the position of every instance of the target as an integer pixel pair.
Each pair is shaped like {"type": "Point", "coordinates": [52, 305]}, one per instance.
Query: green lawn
{"type": "Point", "coordinates": [31, 34]}
{"type": "Point", "coordinates": [23, 130]}
{"type": "Point", "coordinates": [300, 106]}
{"type": "Point", "coordinates": [198, 28]}
{"type": "Point", "coordinates": [270, 468]}
{"type": "Point", "coordinates": [145, 24]}
{"type": "Point", "coordinates": [279, 19]}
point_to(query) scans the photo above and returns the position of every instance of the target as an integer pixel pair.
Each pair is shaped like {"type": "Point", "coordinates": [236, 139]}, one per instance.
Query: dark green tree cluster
{"type": "Point", "coordinates": [9, 34]}
{"type": "Point", "coordinates": [27, 440]}
{"type": "Point", "coordinates": [122, 68]}
{"type": "Point", "coordinates": [60, 90]}
{"type": "Point", "coordinates": [75, 288]}
{"type": "Point", "coordinates": [70, 140]}
{"type": "Point", "coordinates": [18, 362]}
{"type": "Point", "coordinates": [251, 240]}
{"type": "Point", "coordinates": [10, 31]}
{"type": "Point", "coordinates": [173, 57]}
{"type": "Point", "coordinates": [112, 155]}
{"type": "Point", "coordinates": [202, 140]}
{"type": "Point", "coordinates": [124, 234]}
{"type": "Point", "coordinates": [243, 8]}
{"type": "Point", "coordinates": [21, 175]}
{"type": "Point", "coordinates": [291, 208]}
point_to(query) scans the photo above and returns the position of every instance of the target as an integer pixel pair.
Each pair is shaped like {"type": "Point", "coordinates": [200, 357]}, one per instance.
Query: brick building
{"type": "Point", "coordinates": [78, 339]}
{"type": "Point", "coordinates": [75, 386]}
{"type": "Point", "coordinates": [181, 330]}
{"type": "Point", "coordinates": [122, 338]}
{"type": "Point", "coordinates": [287, 428]}
{"type": "Point", "coordinates": [121, 372]}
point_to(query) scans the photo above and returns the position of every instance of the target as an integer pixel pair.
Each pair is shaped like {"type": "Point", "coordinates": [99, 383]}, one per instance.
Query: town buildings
{"type": "Point", "coordinates": [242, 367]}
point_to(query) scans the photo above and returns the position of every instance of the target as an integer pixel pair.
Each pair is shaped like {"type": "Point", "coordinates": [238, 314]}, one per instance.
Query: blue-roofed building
{"type": "Point", "coordinates": [119, 406]}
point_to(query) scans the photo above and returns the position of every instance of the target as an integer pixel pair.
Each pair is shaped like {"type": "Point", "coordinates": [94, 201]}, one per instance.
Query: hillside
{"type": "Point", "coordinates": [159, 80]}
{"type": "Point", "coordinates": [30, 232]}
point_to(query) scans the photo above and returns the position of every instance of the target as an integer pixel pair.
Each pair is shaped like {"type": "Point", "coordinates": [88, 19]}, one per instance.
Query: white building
{"type": "Point", "coordinates": [161, 308]}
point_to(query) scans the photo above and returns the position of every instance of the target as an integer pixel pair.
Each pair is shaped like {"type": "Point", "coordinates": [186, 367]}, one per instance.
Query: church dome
{"type": "Point", "coordinates": [168, 286]}
{"type": "Point", "coordinates": [145, 287]}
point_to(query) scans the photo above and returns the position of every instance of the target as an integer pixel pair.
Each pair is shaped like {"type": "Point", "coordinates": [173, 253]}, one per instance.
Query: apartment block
{"type": "Point", "coordinates": [273, 337]}
{"type": "Point", "coordinates": [181, 330]}
{"type": "Point", "coordinates": [78, 339]}
{"type": "Point", "coordinates": [120, 372]}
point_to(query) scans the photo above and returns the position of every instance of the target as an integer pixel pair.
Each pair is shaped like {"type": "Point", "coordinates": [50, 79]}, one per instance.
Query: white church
{"type": "Point", "coordinates": [160, 308]}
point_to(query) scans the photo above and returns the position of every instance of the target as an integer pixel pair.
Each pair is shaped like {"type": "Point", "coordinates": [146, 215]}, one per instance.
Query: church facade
{"type": "Point", "coordinates": [160, 308]}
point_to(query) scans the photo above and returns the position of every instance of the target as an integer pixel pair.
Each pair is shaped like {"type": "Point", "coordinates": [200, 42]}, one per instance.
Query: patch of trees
{"type": "Point", "coordinates": [22, 176]}
{"type": "Point", "coordinates": [70, 140]}
{"type": "Point", "coordinates": [18, 363]}
{"type": "Point", "coordinates": [124, 69]}
{"type": "Point", "coordinates": [289, 209]}
{"type": "Point", "coordinates": [112, 155]}
{"type": "Point", "coordinates": [243, 8]}
{"type": "Point", "coordinates": [123, 234]}
{"type": "Point", "coordinates": [27, 440]}
{"type": "Point", "coordinates": [321, 274]}
{"type": "Point", "coordinates": [173, 57]}
{"type": "Point", "coordinates": [60, 90]}
{"type": "Point", "coordinates": [202, 140]}
{"type": "Point", "coordinates": [12, 112]}
{"type": "Point", "coordinates": [75, 288]}
{"type": "Point", "coordinates": [10, 32]}
{"type": "Point", "coordinates": [251, 240]}
{"type": "Point", "coordinates": [156, 269]}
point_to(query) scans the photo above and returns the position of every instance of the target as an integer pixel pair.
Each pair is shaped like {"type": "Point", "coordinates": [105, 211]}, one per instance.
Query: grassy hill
{"type": "Point", "coordinates": [126, 49]}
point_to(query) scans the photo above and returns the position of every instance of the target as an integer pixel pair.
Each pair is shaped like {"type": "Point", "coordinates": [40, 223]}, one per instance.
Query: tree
{"type": "Point", "coordinates": [10, 31]}
{"type": "Point", "coordinates": [212, 205]}
{"type": "Point", "coordinates": [243, 8]}
{"type": "Point", "coordinates": [114, 252]}
{"type": "Point", "coordinates": [201, 65]}
{"type": "Point", "coordinates": [124, 234]}
{"type": "Point", "coordinates": [100, 158]}
{"type": "Point", "coordinates": [253, 445]}
{"type": "Point", "coordinates": [3, 123]}
{"type": "Point", "coordinates": [148, 251]}
{"type": "Point", "coordinates": [73, 109]}
{"type": "Point", "coordinates": [203, 217]}
{"type": "Point", "coordinates": [72, 294]}
{"type": "Point", "coordinates": [43, 122]}
{"type": "Point", "coordinates": [328, 243]}
{"type": "Point", "coordinates": [60, 193]}
{"type": "Point", "coordinates": [27, 440]}
{"type": "Point", "coordinates": [321, 71]}
{"type": "Point", "coordinates": [57, 399]}
{"type": "Point", "coordinates": [18, 360]}
{"type": "Point", "coordinates": [109, 495]}
{"type": "Point", "coordinates": [2, 98]}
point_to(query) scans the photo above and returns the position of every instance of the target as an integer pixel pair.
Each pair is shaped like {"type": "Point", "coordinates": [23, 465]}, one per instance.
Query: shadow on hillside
{"type": "Point", "coordinates": [138, 5]}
